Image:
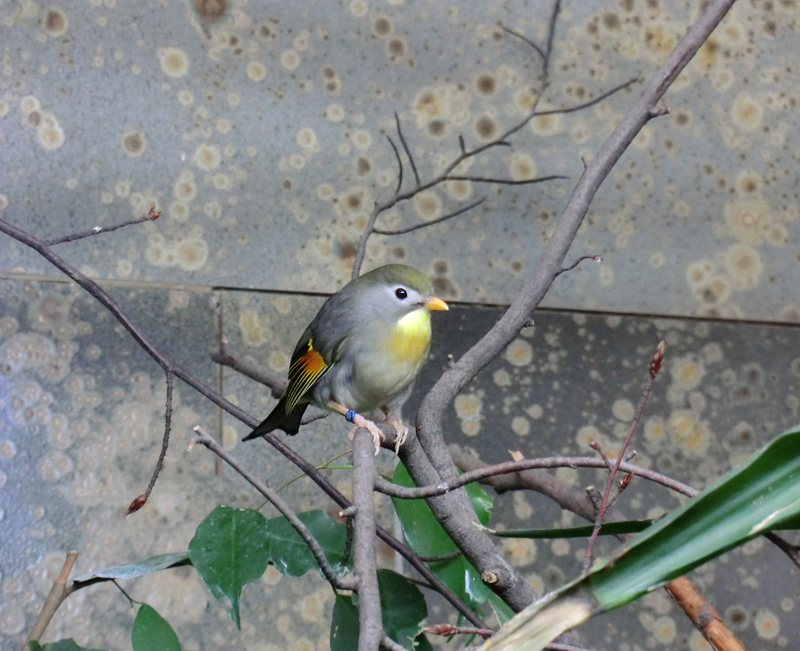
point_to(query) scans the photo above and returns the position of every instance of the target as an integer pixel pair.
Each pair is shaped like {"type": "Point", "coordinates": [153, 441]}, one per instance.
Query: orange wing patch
{"type": "Point", "coordinates": [304, 372]}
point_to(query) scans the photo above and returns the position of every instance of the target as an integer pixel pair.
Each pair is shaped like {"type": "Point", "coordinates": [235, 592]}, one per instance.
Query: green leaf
{"type": "Point", "coordinates": [139, 568]}
{"type": "Point", "coordinates": [403, 610]}
{"type": "Point", "coordinates": [151, 632]}
{"type": "Point", "coordinates": [422, 644]}
{"type": "Point", "coordinates": [403, 607]}
{"type": "Point", "coordinates": [344, 624]}
{"type": "Point", "coordinates": [230, 550]}
{"type": "Point", "coordinates": [608, 529]}
{"type": "Point", "coordinates": [289, 552]}
{"type": "Point", "coordinates": [62, 645]}
{"type": "Point", "coordinates": [426, 536]}
{"type": "Point", "coordinates": [753, 498]}
{"type": "Point", "coordinates": [758, 496]}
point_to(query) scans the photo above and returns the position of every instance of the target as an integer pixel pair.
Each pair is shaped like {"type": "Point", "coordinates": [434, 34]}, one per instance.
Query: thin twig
{"type": "Point", "coordinates": [438, 220]}
{"type": "Point", "coordinates": [249, 368]}
{"type": "Point", "coordinates": [524, 38]}
{"type": "Point", "coordinates": [399, 163]}
{"type": "Point", "coordinates": [655, 367]}
{"type": "Point", "coordinates": [596, 258]}
{"type": "Point", "coordinates": [502, 181]}
{"type": "Point", "coordinates": [452, 629]}
{"type": "Point", "coordinates": [404, 492]}
{"type": "Point", "coordinates": [140, 501]}
{"type": "Point", "coordinates": [97, 230]}
{"type": "Point", "coordinates": [58, 592]}
{"type": "Point", "coordinates": [205, 439]}
{"type": "Point", "coordinates": [405, 148]}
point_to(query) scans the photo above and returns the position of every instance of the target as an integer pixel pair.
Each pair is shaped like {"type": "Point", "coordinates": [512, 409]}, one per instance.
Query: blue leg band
{"type": "Point", "coordinates": [351, 414]}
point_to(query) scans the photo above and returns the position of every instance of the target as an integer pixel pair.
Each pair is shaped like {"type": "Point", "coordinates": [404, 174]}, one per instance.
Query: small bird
{"type": "Point", "coordinates": [362, 352]}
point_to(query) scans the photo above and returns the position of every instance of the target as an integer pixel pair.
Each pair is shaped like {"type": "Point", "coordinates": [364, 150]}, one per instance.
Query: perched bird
{"type": "Point", "coordinates": [362, 352]}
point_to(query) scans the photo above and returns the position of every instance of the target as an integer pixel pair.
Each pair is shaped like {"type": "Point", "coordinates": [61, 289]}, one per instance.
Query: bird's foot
{"type": "Point", "coordinates": [400, 431]}
{"type": "Point", "coordinates": [363, 423]}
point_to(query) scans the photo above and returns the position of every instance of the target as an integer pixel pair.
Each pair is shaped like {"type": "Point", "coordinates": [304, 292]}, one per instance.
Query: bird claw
{"type": "Point", "coordinates": [362, 423]}
{"type": "Point", "coordinates": [400, 431]}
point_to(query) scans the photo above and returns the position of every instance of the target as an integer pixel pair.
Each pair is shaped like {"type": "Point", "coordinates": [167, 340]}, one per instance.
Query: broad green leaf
{"type": "Point", "coordinates": [344, 624]}
{"type": "Point", "coordinates": [760, 495]}
{"type": "Point", "coordinates": [62, 645]}
{"type": "Point", "coordinates": [147, 566]}
{"type": "Point", "coordinates": [427, 537]}
{"type": "Point", "coordinates": [289, 552]}
{"type": "Point", "coordinates": [403, 607]}
{"type": "Point", "coordinates": [403, 610]}
{"type": "Point", "coordinates": [422, 644]}
{"type": "Point", "coordinates": [230, 550]}
{"type": "Point", "coordinates": [500, 608]}
{"type": "Point", "coordinates": [151, 632]}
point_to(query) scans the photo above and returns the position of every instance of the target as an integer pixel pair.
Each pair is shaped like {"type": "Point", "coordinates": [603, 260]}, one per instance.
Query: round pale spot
{"type": "Point", "coordinates": [747, 219]}
{"type": "Point", "coordinates": [744, 265]}
{"type": "Point", "coordinates": [521, 426]}
{"type": "Point", "coordinates": [427, 205]}
{"type": "Point", "coordinates": [51, 136]}
{"type": "Point", "coordinates": [519, 353]}
{"type": "Point", "coordinates": [256, 71]}
{"type": "Point", "coordinates": [290, 60]}
{"type": "Point", "coordinates": [133, 143]}
{"type": "Point", "coordinates": [207, 157]}
{"type": "Point", "coordinates": [623, 410]}
{"type": "Point", "coordinates": [174, 61]}
{"type": "Point", "coordinates": [185, 97]}
{"type": "Point", "coordinates": [767, 624]}
{"type": "Point", "coordinates": [467, 406]}
{"type": "Point", "coordinates": [358, 8]}
{"type": "Point", "coordinates": [657, 260]}
{"type": "Point", "coordinates": [362, 139]}
{"type": "Point", "coordinates": [334, 113]}
{"type": "Point", "coordinates": [746, 112]}
{"type": "Point", "coordinates": [521, 167]}
{"type": "Point", "coordinates": [688, 371]}
{"type": "Point", "coordinates": [546, 125]}
{"type": "Point", "coordinates": [688, 433]}
{"type": "Point", "coordinates": [664, 630]}
{"type": "Point", "coordinates": [179, 211]}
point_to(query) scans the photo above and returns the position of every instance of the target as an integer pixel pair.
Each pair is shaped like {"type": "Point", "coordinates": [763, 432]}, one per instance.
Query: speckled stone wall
{"type": "Point", "coordinates": [259, 129]}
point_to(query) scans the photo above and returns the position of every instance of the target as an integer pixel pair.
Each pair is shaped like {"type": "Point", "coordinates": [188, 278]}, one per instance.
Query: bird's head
{"type": "Point", "coordinates": [395, 291]}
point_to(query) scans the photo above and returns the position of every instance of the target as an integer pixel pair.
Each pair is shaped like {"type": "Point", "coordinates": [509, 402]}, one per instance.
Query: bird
{"type": "Point", "coordinates": [361, 353]}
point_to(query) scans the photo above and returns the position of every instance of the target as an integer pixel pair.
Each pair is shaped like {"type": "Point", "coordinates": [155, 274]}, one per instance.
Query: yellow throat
{"type": "Point", "coordinates": [411, 336]}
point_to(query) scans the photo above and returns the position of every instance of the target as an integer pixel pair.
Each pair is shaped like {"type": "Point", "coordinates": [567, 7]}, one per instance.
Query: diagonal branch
{"type": "Point", "coordinates": [438, 399]}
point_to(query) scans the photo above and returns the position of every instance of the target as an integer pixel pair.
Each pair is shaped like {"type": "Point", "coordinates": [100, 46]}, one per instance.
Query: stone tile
{"type": "Point", "coordinates": [261, 135]}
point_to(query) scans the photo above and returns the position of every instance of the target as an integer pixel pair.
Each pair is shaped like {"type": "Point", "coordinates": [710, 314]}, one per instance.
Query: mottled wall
{"type": "Point", "coordinates": [259, 130]}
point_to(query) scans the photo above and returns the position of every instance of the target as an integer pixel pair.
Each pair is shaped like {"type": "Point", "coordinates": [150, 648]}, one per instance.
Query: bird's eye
{"type": "Point", "coordinates": [401, 293]}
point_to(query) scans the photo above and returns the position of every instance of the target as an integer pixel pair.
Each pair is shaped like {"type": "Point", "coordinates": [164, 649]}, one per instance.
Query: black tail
{"type": "Point", "coordinates": [279, 419]}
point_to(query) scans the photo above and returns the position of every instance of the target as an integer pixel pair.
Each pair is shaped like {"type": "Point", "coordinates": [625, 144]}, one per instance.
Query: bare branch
{"type": "Point", "coordinates": [500, 181]}
{"type": "Point", "coordinates": [438, 220]}
{"type": "Point", "coordinates": [250, 368]}
{"type": "Point", "coordinates": [655, 367]}
{"type": "Point", "coordinates": [477, 474]}
{"type": "Point", "coordinates": [399, 163]}
{"type": "Point", "coordinates": [205, 439]}
{"type": "Point", "coordinates": [58, 592]}
{"type": "Point", "coordinates": [406, 149]}
{"type": "Point", "coordinates": [596, 258]}
{"type": "Point", "coordinates": [97, 230]}
{"type": "Point", "coordinates": [140, 501]}
{"type": "Point", "coordinates": [364, 562]}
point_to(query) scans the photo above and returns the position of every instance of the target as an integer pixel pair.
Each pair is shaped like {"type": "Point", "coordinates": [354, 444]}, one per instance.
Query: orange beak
{"type": "Point", "coordinates": [434, 303]}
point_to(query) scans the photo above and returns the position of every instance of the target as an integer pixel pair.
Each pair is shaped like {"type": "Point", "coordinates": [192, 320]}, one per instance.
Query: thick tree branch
{"type": "Point", "coordinates": [364, 563]}
{"type": "Point", "coordinates": [432, 410]}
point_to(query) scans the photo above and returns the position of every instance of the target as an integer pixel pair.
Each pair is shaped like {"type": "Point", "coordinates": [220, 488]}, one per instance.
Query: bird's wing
{"type": "Point", "coordinates": [307, 368]}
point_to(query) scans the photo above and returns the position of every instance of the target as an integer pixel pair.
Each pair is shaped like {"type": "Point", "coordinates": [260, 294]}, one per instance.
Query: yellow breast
{"type": "Point", "coordinates": [411, 337]}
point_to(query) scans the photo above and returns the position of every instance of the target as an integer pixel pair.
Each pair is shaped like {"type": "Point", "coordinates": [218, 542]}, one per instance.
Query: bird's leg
{"type": "Point", "coordinates": [360, 423]}
{"type": "Point", "coordinates": [400, 430]}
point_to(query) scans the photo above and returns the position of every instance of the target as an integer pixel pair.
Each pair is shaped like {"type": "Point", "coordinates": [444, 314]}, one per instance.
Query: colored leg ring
{"type": "Point", "coordinates": [351, 415]}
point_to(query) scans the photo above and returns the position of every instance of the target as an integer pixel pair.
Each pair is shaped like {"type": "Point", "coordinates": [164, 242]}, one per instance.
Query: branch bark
{"type": "Point", "coordinates": [458, 515]}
